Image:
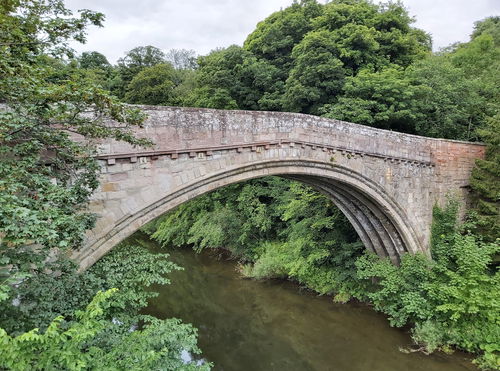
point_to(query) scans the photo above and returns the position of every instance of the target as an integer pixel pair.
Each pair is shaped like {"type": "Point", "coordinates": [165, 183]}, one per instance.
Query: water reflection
{"type": "Point", "coordinates": [273, 325]}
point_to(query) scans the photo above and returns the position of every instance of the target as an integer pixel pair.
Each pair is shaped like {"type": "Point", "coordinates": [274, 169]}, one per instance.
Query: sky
{"type": "Point", "coordinates": [203, 25]}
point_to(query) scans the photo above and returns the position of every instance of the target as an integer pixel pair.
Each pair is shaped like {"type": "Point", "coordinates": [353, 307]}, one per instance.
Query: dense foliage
{"type": "Point", "coordinates": [298, 59]}
{"type": "Point", "coordinates": [51, 116]}
{"type": "Point", "coordinates": [46, 177]}
{"type": "Point", "coordinates": [485, 182]}
{"type": "Point", "coordinates": [110, 333]}
{"type": "Point", "coordinates": [282, 229]}
{"type": "Point", "coordinates": [350, 60]}
{"type": "Point", "coordinates": [447, 95]}
{"type": "Point", "coordinates": [286, 228]}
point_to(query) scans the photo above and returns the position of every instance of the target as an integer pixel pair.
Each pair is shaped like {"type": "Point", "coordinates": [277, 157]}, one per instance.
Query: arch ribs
{"type": "Point", "coordinates": [385, 182]}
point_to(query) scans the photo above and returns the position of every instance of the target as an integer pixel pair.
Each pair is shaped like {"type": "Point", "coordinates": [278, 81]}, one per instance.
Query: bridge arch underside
{"type": "Point", "coordinates": [381, 224]}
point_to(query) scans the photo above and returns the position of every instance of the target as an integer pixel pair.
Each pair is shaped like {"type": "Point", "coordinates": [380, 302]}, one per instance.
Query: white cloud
{"type": "Point", "coordinates": [204, 25]}
{"type": "Point", "coordinates": [449, 21]}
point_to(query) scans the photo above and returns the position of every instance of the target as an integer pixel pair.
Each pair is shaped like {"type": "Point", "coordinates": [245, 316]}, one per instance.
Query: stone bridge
{"type": "Point", "coordinates": [385, 182]}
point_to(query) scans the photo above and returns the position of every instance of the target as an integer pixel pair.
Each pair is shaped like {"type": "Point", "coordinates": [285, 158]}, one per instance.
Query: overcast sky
{"type": "Point", "coordinates": [203, 25]}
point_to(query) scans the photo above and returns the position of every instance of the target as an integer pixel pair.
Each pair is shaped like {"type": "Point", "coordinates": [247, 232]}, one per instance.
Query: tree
{"type": "Point", "coordinates": [158, 345]}
{"type": "Point", "coordinates": [384, 99]}
{"type": "Point", "coordinates": [447, 95]}
{"type": "Point", "coordinates": [161, 84]}
{"type": "Point", "coordinates": [46, 177]}
{"type": "Point", "coordinates": [317, 76]}
{"type": "Point", "coordinates": [347, 37]}
{"type": "Point", "coordinates": [448, 102]}
{"type": "Point", "coordinates": [96, 67]}
{"type": "Point", "coordinates": [490, 26]}
{"type": "Point", "coordinates": [132, 63]}
{"type": "Point", "coordinates": [153, 85]}
{"type": "Point", "coordinates": [181, 59]}
{"type": "Point", "coordinates": [141, 57]}
{"type": "Point", "coordinates": [94, 60]}
{"type": "Point", "coordinates": [233, 78]}
{"type": "Point", "coordinates": [316, 47]}
{"type": "Point", "coordinates": [485, 182]}
{"type": "Point", "coordinates": [275, 37]}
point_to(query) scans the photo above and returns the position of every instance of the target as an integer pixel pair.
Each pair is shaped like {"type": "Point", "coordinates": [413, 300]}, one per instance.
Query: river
{"type": "Point", "coordinates": [252, 325]}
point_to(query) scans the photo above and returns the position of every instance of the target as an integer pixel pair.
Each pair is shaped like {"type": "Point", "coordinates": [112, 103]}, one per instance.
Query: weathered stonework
{"type": "Point", "coordinates": [385, 182]}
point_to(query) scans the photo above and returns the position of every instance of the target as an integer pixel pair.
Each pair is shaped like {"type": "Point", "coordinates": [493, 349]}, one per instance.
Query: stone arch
{"type": "Point", "coordinates": [380, 222]}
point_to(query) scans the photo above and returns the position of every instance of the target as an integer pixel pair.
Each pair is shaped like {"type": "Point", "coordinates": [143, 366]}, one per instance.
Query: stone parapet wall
{"type": "Point", "coordinates": [176, 128]}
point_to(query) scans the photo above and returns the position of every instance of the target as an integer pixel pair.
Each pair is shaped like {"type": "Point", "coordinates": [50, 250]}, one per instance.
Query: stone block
{"type": "Point", "coordinates": [109, 187]}
{"type": "Point", "coordinates": [116, 177]}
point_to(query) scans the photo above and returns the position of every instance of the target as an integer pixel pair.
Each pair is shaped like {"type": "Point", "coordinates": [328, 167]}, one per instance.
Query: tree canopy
{"type": "Point", "coordinates": [46, 177]}
{"type": "Point", "coordinates": [93, 60]}
{"type": "Point", "coordinates": [50, 122]}
{"type": "Point", "coordinates": [316, 46]}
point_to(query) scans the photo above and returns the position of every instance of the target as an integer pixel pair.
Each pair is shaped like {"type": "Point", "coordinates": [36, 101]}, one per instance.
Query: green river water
{"type": "Point", "coordinates": [275, 325]}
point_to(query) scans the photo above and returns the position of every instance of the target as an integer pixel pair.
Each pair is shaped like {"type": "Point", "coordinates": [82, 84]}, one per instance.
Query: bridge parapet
{"type": "Point", "coordinates": [184, 130]}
